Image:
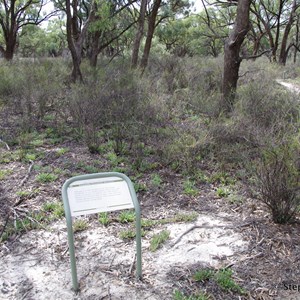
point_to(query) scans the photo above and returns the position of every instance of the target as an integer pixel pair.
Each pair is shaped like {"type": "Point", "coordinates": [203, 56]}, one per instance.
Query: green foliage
{"type": "Point", "coordinates": [55, 209]}
{"type": "Point", "coordinates": [27, 194]}
{"type": "Point", "coordinates": [126, 216]}
{"type": "Point", "coordinates": [104, 218]}
{"type": "Point", "coordinates": [46, 177]}
{"type": "Point", "coordinates": [129, 234]}
{"type": "Point", "coordinates": [158, 240]}
{"type": "Point", "coordinates": [180, 217]}
{"type": "Point", "coordinates": [146, 223]}
{"type": "Point", "coordinates": [224, 279]}
{"type": "Point", "coordinates": [62, 151]}
{"type": "Point", "coordinates": [203, 275]}
{"type": "Point", "coordinates": [140, 187]}
{"type": "Point", "coordinates": [222, 178]}
{"type": "Point", "coordinates": [80, 225]}
{"type": "Point", "coordinates": [234, 198]}
{"type": "Point", "coordinates": [223, 192]}
{"type": "Point", "coordinates": [189, 188]}
{"type": "Point", "coordinates": [115, 101]}
{"type": "Point", "coordinates": [279, 180]}
{"type": "Point", "coordinates": [4, 174]}
{"type": "Point", "coordinates": [156, 180]}
{"type": "Point", "coordinates": [178, 295]}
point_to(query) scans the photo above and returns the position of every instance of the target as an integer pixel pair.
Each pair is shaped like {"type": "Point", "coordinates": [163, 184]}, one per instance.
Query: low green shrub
{"type": "Point", "coordinates": [279, 181]}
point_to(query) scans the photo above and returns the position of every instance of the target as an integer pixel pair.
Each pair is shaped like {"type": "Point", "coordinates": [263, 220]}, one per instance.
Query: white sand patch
{"type": "Point", "coordinates": [38, 267]}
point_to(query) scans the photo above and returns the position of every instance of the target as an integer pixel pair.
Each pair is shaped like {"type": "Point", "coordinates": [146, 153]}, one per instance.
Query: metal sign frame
{"type": "Point", "coordinates": [68, 215]}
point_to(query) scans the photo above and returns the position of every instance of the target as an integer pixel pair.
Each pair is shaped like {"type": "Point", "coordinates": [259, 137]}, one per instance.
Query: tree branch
{"type": "Point", "coordinates": [256, 56]}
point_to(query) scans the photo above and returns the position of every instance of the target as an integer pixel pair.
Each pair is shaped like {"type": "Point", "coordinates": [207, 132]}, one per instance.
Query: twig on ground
{"type": "Point", "coordinates": [27, 175]}
{"type": "Point", "coordinates": [25, 295]}
{"type": "Point", "coordinates": [132, 264]}
{"type": "Point", "coordinates": [64, 253]}
{"type": "Point", "coordinates": [6, 145]}
{"type": "Point", "coordinates": [208, 227]}
{"type": "Point", "coordinates": [243, 259]}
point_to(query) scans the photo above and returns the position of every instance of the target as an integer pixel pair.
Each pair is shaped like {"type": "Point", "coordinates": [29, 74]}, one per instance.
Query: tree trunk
{"type": "Point", "coordinates": [150, 33]}
{"type": "Point", "coordinates": [232, 58]}
{"type": "Point", "coordinates": [139, 34]}
{"type": "Point", "coordinates": [283, 52]}
{"type": "Point", "coordinates": [8, 53]}
{"type": "Point", "coordinates": [76, 37]}
{"type": "Point", "coordinates": [10, 42]}
{"type": "Point", "coordinates": [297, 39]}
{"type": "Point", "coordinates": [95, 48]}
{"type": "Point", "coordinates": [76, 72]}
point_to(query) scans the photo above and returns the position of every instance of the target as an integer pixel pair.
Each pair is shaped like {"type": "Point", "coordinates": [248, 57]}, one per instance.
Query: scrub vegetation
{"type": "Point", "coordinates": [194, 135]}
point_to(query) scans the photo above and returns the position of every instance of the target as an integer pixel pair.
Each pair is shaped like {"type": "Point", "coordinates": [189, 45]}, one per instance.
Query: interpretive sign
{"type": "Point", "coordinates": [98, 195]}
{"type": "Point", "coordinates": [94, 193]}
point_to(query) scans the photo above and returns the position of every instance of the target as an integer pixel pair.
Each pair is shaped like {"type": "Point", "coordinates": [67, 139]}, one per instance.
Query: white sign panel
{"type": "Point", "coordinates": [98, 195]}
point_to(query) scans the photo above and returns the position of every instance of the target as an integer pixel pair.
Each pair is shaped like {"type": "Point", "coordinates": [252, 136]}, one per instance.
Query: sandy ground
{"type": "Point", "coordinates": [37, 266]}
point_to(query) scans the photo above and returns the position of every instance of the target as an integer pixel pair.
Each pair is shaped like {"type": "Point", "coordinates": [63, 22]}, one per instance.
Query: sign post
{"type": "Point", "coordinates": [100, 192]}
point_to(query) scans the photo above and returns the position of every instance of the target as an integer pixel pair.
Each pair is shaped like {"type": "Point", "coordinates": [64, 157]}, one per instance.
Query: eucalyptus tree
{"type": "Point", "coordinates": [139, 33]}
{"type": "Point", "coordinates": [14, 16]}
{"type": "Point", "coordinates": [273, 21]}
{"type": "Point", "coordinates": [232, 58]}
{"type": "Point", "coordinates": [79, 16]}
{"type": "Point", "coordinates": [113, 19]}
{"type": "Point", "coordinates": [159, 10]}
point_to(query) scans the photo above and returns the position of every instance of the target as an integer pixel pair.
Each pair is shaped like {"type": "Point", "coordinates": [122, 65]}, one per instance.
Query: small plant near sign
{"type": "Point", "coordinates": [159, 239]}
{"type": "Point", "coordinates": [189, 188]}
{"type": "Point", "coordinates": [129, 234]}
{"type": "Point", "coordinates": [62, 151]}
{"type": "Point", "coordinates": [80, 225]}
{"type": "Point", "coordinates": [203, 275]}
{"type": "Point", "coordinates": [4, 174]}
{"type": "Point", "coordinates": [46, 177]}
{"type": "Point", "coordinates": [224, 279]}
{"type": "Point", "coordinates": [178, 295]}
{"type": "Point", "coordinates": [55, 209]}
{"type": "Point", "coordinates": [126, 216]}
{"type": "Point", "coordinates": [223, 192]}
{"type": "Point", "coordinates": [156, 180]}
{"type": "Point", "coordinates": [104, 218]}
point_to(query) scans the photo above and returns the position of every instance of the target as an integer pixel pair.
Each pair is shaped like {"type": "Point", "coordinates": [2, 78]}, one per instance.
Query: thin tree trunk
{"type": "Point", "coordinates": [95, 46]}
{"type": "Point", "coordinates": [150, 33]}
{"type": "Point", "coordinates": [283, 52]}
{"type": "Point", "coordinates": [297, 39]}
{"type": "Point", "coordinates": [139, 34]}
{"type": "Point", "coordinates": [76, 72]}
{"type": "Point", "coordinates": [232, 57]}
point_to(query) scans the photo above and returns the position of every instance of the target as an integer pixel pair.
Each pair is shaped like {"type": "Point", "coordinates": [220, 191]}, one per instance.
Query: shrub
{"type": "Point", "coordinates": [279, 178]}
{"type": "Point", "coordinates": [115, 102]}
{"type": "Point", "coordinates": [31, 90]}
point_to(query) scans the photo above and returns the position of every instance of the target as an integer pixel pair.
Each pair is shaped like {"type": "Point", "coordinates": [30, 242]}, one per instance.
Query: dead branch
{"type": "Point", "coordinates": [253, 71]}
{"type": "Point", "coordinates": [256, 56]}
{"type": "Point", "coordinates": [208, 227]}
{"type": "Point", "coordinates": [6, 145]}
{"type": "Point", "coordinates": [132, 264]}
{"type": "Point", "coordinates": [243, 259]}
{"type": "Point", "coordinates": [27, 175]}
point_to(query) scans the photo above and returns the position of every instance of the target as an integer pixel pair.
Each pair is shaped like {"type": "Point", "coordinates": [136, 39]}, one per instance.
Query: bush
{"type": "Point", "coordinates": [112, 107]}
{"type": "Point", "coordinates": [279, 179]}
{"type": "Point", "coordinates": [31, 89]}
{"type": "Point", "coordinates": [264, 114]}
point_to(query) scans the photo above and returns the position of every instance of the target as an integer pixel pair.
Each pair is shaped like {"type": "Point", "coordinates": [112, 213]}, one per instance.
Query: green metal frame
{"type": "Point", "coordinates": [70, 227]}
